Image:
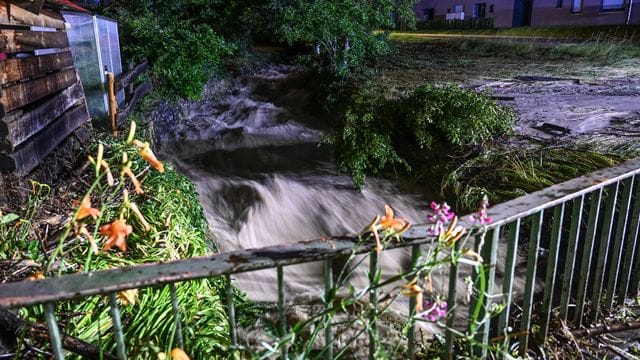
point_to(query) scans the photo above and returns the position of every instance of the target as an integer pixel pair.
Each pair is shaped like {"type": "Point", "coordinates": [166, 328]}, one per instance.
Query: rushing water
{"type": "Point", "coordinates": [263, 178]}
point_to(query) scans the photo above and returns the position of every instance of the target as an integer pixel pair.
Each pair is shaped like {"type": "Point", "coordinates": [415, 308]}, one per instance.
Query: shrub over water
{"type": "Point", "coordinates": [377, 133]}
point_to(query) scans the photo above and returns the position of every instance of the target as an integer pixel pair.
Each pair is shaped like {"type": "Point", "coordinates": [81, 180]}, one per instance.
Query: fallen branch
{"type": "Point", "coordinates": [14, 325]}
{"type": "Point", "coordinates": [604, 329]}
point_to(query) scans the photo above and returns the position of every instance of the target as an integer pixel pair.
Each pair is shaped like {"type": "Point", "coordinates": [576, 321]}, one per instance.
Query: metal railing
{"type": "Point", "coordinates": [582, 246]}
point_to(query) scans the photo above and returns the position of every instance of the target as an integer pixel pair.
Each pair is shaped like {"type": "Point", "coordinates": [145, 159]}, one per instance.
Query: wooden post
{"type": "Point", "coordinates": [112, 102]}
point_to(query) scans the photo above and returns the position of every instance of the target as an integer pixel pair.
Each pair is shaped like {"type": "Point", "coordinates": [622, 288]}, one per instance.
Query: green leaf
{"type": "Point", "coordinates": [7, 218]}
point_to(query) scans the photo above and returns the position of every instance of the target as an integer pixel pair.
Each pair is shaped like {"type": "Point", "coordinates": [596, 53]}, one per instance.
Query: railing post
{"type": "Point", "coordinates": [603, 250]}
{"type": "Point", "coordinates": [373, 303]}
{"type": "Point", "coordinates": [328, 288]}
{"type": "Point", "coordinates": [54, 331]}
{"type": "Point", "coordinates": [552, 267]}
{"type": "Point", "coordinates": [232, 313]}
{"type": "Point", "coordinates": [587, 254]}
{"type": "Point", "coordinates": [490, 252]}
{"type": "Point", "coordinates": [509, 271]}
{"type": "Point", "coordinates": [567, 277]}
{"type": "Point", "coordinates": [117, 327]}
{"type": "Point", "coordinates": [282, 316]}
{"type": "Point", "coordinates": [532, 265]}
{"type": "Point", "coordinates": [411, 337]}
{"type": "Point", "coordinates": [176, 315]}
{"type": "Point", "coordinates": [451, 305]}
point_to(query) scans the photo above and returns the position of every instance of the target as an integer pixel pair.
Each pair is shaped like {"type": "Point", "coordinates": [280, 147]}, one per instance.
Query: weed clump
{"type": "Point", "coordinates": [430, 121]}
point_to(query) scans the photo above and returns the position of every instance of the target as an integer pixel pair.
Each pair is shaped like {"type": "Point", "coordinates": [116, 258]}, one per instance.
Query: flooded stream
{"type": "Point", "coordinates": [263, 178]}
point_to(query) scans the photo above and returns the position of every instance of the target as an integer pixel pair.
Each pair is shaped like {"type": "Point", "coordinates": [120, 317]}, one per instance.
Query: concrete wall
{"type": "Point", "coordinates": [502, 10]}
{"type": "Point", "coordinates": [545, 13]}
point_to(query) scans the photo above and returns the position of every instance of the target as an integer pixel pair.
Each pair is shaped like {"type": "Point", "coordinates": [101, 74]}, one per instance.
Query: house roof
{"type": "Point", "coordinates": [70, 4]}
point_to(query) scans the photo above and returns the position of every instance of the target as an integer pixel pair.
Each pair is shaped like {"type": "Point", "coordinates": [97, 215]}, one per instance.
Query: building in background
{"type": "Point", "coordinates": [512, 13]}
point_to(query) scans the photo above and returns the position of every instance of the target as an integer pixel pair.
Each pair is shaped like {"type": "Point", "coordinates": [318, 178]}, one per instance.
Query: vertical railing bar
{"type": "Point", "coordinates": [232, 313]}
{"type": "Point", "coordinates": [117, 327]}
{"type": "Point", "coordinates": [477, 297]}
{"type": "Point", "coordinates": [616, 255]}
{"type": "Point", "coordinates": [451, 305]}
{"type": "Point", "coordinates": [570, 259]}
{"type": "Point", "coordinates": [552, 267]}
{"type": "Point", "coordinates": [411, 338]}
{"type": "Point", "coordinates": [509, 271]}
{"type": "Point", "coordinates": [603, 249]}
{"type": "Point", "coordinates": [492, 255]}
{"type": "Point", "coordinates": [532, 265]}
{"type": "Point", "coordinates": [54, 332]}
{"type": "Point", "coordinates": [634, 288]}
{"type": "Point", "coordinates": [373, 304]}
{"type": "Point", "coordinates": [328, 289]}
{"type": "Point", "coordinates": [176, 315]}
{"type": "Point", "coordinates": [587, 254]}
{"type": "Point", "coordinates": [630, 251]}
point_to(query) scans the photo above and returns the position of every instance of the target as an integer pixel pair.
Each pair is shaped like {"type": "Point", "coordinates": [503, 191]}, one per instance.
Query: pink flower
{"type": "Point", "coordinates": [441, 215]}
{"type": "Point", "coordinates": [434, 310]}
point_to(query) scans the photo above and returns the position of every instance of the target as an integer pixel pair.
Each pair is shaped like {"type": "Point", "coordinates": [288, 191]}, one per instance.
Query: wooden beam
{"type": "Point", "coordinates": [34, 150]}
{"type": "Point", "coordinates": [19, 126]}
{"type": "Point", "coordinates": [21, 16]}
{"type": "Point", "coordinates": [125, 79]}
{"type": "Point", "coordinates": [20, 94]}
{"type": "Point", "coordinates": [16, 69]}
{"type": "Point", "coordinates": [15, 41]}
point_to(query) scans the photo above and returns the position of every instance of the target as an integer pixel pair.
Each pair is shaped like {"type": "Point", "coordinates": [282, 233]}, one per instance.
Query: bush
{"type": "Point", "coordinates": [376, 132]}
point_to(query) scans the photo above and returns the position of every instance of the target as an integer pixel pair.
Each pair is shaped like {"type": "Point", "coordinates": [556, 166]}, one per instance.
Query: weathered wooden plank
{"type": "Point", "coordinates": [23, 93]}
{"type": "Point", "coordinates": [34, 150]}
{"type": "Point", "coordinates": [15, 41]}
{"type": "Point", "coordinates": [18, 126]}
{"type": "Point", "coordinates": [20, 16]}
{"type": "Point", "coordinates": [125, 79]}
{"type": "Point", "coordinates": [16, 69]}
{"type": "Point", "coordinates": [139, 92]}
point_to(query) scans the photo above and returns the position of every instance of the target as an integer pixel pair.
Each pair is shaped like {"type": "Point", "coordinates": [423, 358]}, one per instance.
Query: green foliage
{"type": "Point", "coordinates": [343, 33]}
{"type": "Point", "coordinates": [176, 37]}
{"type": "Point", "coordinates": [426, 123]}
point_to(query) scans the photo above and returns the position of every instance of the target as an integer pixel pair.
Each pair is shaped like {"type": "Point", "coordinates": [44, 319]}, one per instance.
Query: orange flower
{"type": "Point", "coordinates": [134, 180]}
{"type": "Point", "coordinates": [86, 210]}
{"type": "Point", "coordinates": [116, 233]}
{"type": "Point", "coordinates": [412, 289]}
{"type": "Point", "coordinates": [148, 155]}
{"type": "Point", "coordinates": [179, 354]}
{"type": "Point", "coordinates": [389, 222]}
{"type": "Point", "coordinates": [38, 275]}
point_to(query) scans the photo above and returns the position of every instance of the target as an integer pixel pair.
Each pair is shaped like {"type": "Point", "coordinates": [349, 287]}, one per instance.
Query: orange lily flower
{"type": "Point", "coordinates": [389, 222]}
{"type": "Point", "coordinates": [128, 297]}
{"type": "Point", "coordinates": [86, 210]}
{"type": "Point", "coordinates": [146, 153]}
{"type": "Point", "coordinates": [179, 354]}
{"type": "Point", "coordinates": [134, 180]}
{"type": "Point", "coordinates": [414, 290]}
{"type": "Point", "coordinates": [116, 233]}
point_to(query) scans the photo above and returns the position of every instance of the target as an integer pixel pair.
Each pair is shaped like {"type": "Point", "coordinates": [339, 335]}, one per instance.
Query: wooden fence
{"type": "Point", "coordinates": [41, 98]}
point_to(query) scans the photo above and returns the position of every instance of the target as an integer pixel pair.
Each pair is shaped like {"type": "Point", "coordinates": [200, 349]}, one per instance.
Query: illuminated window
{"type": "Point", "coordinates": [576, 6]}
{"type": "Point", "coordinates": [612, 4]}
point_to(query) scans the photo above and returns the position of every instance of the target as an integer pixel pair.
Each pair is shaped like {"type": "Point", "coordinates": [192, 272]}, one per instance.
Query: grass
{"type": "Point", "coordinates": [613, 32]}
